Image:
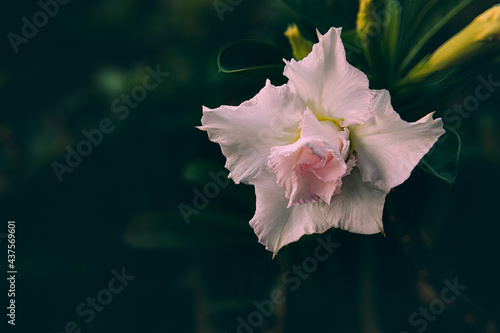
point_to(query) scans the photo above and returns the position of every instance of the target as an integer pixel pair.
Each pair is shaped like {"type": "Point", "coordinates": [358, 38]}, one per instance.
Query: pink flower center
{"type": "Point", "coordinates": [308, 171]}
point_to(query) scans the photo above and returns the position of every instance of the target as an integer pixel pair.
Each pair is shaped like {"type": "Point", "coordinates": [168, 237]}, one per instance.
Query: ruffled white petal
{"type": "Point", "coordinates": [358, 208]}
{"type": "Point", "coordinates": [276, 225]}
{"type": "Point", "coordinates": [328, 84]}
{"type": "Point", "coordinates": [247, 132]}
{"type": "Point", "coordinates": [388, 148]}
{"type": "Point", "coordinates": [325, 131]}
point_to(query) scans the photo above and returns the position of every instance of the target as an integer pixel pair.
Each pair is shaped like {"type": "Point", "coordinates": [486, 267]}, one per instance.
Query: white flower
{"type": "Point", "coordinates": [322, 150]}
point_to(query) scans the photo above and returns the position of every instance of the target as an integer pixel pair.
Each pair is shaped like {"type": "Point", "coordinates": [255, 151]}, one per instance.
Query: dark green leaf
{"type": "Point", "coordinates": [253, 58]}
{"type": "Point", "coordinates": [382, 42]}
{"type": "Point", "coordinates": [198, 171]}
{"type": "Point", "coordinates": [442, 160]}
{"type": "Point", "coordinates": [389, 45]}
{"type": "Point", "coordinates": [422, 21]}
{"type": "Point", "coordinates": [210, 228]}
{"type": "Point", "coordinates": [415, 99]}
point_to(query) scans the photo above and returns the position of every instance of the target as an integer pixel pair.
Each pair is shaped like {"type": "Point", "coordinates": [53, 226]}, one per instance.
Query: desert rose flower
{"type": "Point", "coordinates": [322, 150]}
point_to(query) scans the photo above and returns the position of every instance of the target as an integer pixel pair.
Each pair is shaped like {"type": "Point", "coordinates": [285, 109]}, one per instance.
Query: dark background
{"type": "Point", "coordinates": [119, 207]}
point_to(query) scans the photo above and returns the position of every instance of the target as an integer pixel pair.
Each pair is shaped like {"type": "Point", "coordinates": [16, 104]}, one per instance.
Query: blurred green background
{"type": "Point", "coordinates": [120, 206]}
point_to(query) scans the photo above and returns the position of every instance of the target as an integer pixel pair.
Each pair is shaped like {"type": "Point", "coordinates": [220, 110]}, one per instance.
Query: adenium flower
{"type": "Point", "coordinates": [322, 150]}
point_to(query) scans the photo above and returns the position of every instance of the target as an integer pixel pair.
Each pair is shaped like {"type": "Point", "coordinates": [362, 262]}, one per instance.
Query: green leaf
{"type": "Point", "coordinates": [442, 161]}
{"type": "Point", "coordinates": [210, 228]}
{"type": "Point", "coordinates": [390, 43]}
{"type": "Point", "coordinates": [415, 99]}
{"type": "Point", "coordinates": [253, 58]}
{"type": "Point", "coordinates": [422, 21]}
{"type": "Point", "coordinates": [378, 36]}
{"type": "Point", "coordinates": [354, 49]}
{"type": "Point", "coordinates": [198, 171]}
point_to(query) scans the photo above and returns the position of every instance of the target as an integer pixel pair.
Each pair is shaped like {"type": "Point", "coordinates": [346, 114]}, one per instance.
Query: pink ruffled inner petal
{"type": "Point", "coordinates": [307, 171]}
